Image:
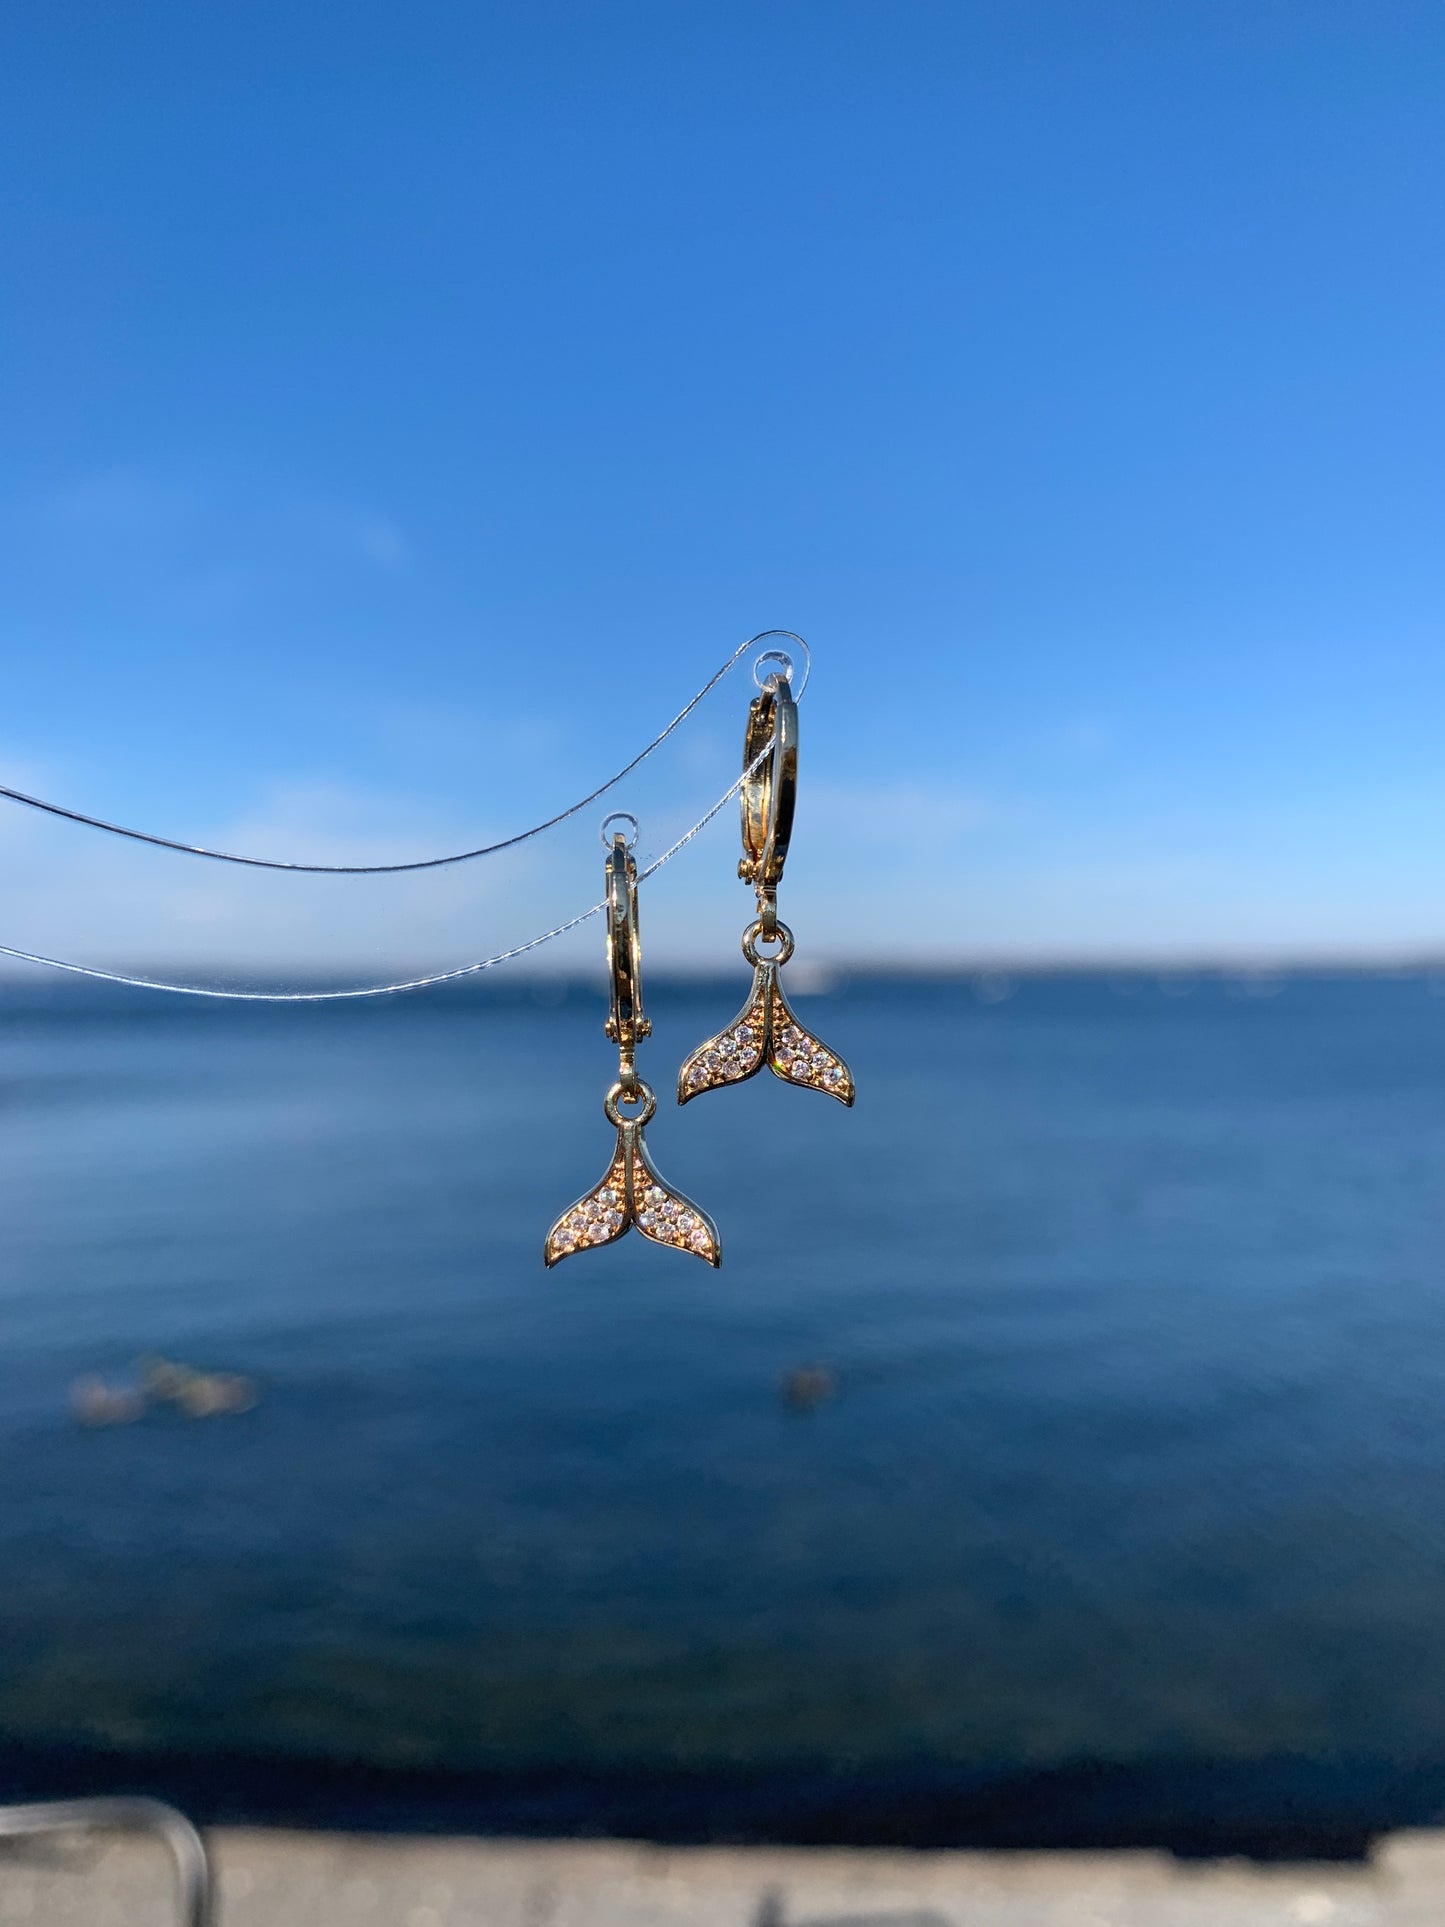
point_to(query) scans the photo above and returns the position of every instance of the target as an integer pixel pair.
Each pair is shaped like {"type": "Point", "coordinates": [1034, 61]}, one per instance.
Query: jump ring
{"type": "Point", "coordinates": [755, 931]}
{"type": "Point", "coordinates": [784, 659]}
{"type": "Point", "coordinates": [639, 1093]}
{"type": "Point", "coordinates": [607, 832]}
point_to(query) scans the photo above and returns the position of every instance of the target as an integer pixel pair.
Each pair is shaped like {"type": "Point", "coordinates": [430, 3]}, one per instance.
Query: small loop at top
{"type": "Point", "coordinates": [609, 829]}
{"type": "Point", "coordinates": [620, 1094]}
{"type": "Point", "coordinates": [784, 659]}
{"type": "Point", "coordinates": [755, 934]}
{"type": "Point", "coordinates": [784, 669]}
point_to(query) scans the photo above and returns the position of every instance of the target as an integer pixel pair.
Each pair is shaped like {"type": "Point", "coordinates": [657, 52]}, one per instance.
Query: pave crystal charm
{"type": "Point", "coordinates": [670, 1218]}
{"type": "Point", "coordinates": [765, 1032]}
{"type": "Point", "coordinates": [594, 1220]}
{"type": "Point", "coordinates": [632, 1193]}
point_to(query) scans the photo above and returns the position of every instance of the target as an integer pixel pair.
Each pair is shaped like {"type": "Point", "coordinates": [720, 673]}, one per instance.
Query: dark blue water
{"type": "Point", "coordinates": [1132, 1491]}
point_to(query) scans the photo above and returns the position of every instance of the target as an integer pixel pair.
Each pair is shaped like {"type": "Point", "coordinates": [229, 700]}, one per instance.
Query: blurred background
{"type": "Point", "coordinates": [405, 413]}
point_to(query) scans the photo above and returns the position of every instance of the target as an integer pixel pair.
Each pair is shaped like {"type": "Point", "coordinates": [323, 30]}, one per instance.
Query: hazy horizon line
{"type": "Point", "coordinates": [804, 974]}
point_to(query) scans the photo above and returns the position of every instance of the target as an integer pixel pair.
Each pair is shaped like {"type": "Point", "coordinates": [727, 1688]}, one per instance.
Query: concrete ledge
{"type": "Point", "coordinates": [275, 1879]}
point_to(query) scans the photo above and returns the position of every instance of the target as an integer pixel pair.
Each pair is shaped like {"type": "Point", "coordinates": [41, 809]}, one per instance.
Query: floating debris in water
{"type": "Point", "coordinates": [94, 1403]}
{"type": "Point", "coordinates": [808, 1386]}
{"type": "Point", "coordinates": [163, 1381]}
{"type": "Point", "coordinates": [197, 1394]}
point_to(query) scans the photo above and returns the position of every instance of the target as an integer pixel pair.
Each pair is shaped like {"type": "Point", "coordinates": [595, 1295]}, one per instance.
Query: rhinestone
{"type": "Point", "coordinates": [612, 1220]}
{"type": "Point", "coordinates": [684, 1222]}
{"type": "Point", "coordinates": [746, 1037]}
{"type": "Point", "coordinates": [647, 1221]}
{"type": "Point", "coordinates": [597, 1234]}
{"type": "Point", "coordinates": [698, 1238]}
{"type": "Point", "coordinates": [727, 1045]}
{"type": "Point", "coordinates": [697, 1076]}
{"type": "Point", "coordinates": [610, 1199]}
{"type": "Point", "coordinates": [798, 1067]}
{"type": "Point", "coordinates": [656, 1195]}
{"type": "Point", "coordinates": [833, 1074]}
{"type": "Point", "coordinates": [821, 1060]}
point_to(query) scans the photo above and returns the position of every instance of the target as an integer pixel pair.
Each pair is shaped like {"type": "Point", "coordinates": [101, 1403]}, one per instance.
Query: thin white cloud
{"type": "Point", "coordinates": [367, 533]}
{"type": "Point", "coordinates": [118, 502]}
{"type": "Point", "coordinates": [897, 813]}
{"type": "Point", "coordinates": [127, 504]}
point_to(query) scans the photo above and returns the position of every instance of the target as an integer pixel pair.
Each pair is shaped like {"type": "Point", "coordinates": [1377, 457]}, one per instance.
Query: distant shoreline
{"type": "Point", "coordinates": [818, 976]}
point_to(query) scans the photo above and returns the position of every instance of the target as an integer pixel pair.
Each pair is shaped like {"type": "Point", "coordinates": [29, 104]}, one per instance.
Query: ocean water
{"type": "Point", "coordinates": [1126, 1518]}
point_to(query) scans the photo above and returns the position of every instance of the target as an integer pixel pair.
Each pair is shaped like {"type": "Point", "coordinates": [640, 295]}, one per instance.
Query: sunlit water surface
{"type": "Point", "coordinates": [1134, 1476]}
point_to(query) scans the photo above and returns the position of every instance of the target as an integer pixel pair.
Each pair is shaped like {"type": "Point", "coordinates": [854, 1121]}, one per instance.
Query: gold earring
{"type": "Point", "coordinates": [765, 1031]}
{"type": "Point", "coordinates": [631, 1193]}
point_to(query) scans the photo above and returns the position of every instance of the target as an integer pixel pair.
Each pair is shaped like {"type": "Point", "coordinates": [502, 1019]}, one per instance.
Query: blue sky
{"type": "Point", "coordinates": [404, 410]}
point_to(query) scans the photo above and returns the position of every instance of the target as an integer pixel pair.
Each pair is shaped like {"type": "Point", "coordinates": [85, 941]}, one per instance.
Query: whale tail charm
{"type": "Point", "coordinates": [765, 1031]}
{"type": "Point", "coordinates": [632, 1193]}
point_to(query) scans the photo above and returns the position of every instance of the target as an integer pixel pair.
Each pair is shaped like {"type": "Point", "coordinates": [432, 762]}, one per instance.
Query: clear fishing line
{"type": "Point", "coordinates": [423, 982]}
{"type": "Point", "coordinates": [778, 656]}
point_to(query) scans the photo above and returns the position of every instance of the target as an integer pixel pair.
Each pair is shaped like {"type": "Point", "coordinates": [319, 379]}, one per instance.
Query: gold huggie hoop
{"type": "Point", "coordinates": [625, 1023]}
{"type": "Point", "coordinates": [632, 1192]}
{"type": "Point", "coordinates": [769, 793]}
{"type": "Point", "coordinates": [765, 1031]}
